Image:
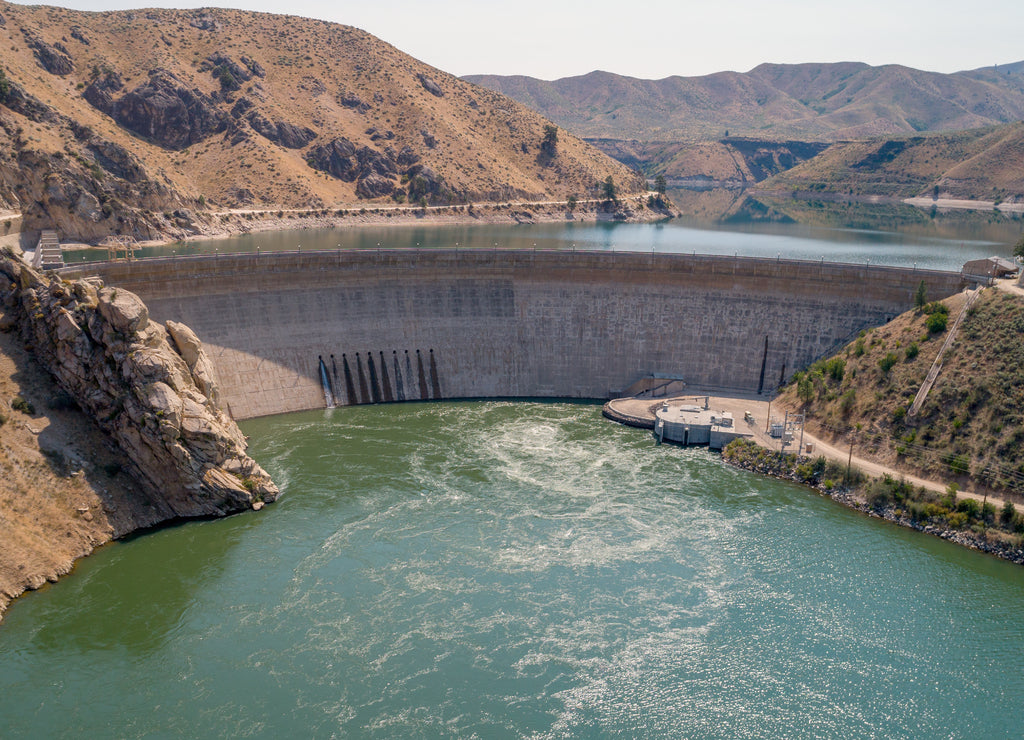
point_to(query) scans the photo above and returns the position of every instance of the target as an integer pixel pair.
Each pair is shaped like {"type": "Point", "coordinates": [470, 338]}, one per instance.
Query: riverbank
{"type": "Point", "coordinates": [889, 498]}
{"type": "Point", "coordinates": [877, 490]}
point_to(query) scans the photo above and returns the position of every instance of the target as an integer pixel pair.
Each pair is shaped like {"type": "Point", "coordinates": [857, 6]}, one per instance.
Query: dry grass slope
{"type": "Point", "coordinates": [265, 85]}
{"type": "Point", "coordinates": [971, 428]}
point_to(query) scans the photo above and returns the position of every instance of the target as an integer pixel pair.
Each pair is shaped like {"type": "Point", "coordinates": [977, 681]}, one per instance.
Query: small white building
{"type": "Point", "coordinates": [693, 425]}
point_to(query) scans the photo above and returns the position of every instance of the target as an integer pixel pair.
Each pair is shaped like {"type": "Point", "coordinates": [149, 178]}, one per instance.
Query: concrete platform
{"type": "Point", "coordinates": [749, 413]}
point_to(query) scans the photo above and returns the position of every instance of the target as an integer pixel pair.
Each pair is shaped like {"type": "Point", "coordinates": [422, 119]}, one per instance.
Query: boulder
{"type": "Point", "coordinates": [292, 136]}
{"type": "Point", "coordinates": [430, 85]}
{"type": "Point", "coordinates": [336, 158]}
{"type": "Point", "coordinates": [353, 101]}
{"type": "Point", "coordinates": [150, 395]}
{"type": "Point", "coordinates": [253, 66]}
{"type": "Point", "coordinates": [100, 92]}
{"type": "Point", "coordinates": [220, 62]}
{"type": "Point", "coordinates": [407, 157]}
{"type": "Point", "coordinates": [33, 109]}
{"type": "Point", "coordinates": [195, 357]}
{"type": "Point", "coordinates": [53, 59]}
{"type": "Point", "coordinates": [124, 310]}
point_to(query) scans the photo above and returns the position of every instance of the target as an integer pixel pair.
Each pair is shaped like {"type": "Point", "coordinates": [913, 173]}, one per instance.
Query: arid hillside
{"type": "Point", "coordinates": [830, 102]}
{"type": "Point", "coordinates": [139, 122]}
{"type": "Point", "coordinates": [980, 164]}
{"type": "Point", "coordinates": [969, 427]}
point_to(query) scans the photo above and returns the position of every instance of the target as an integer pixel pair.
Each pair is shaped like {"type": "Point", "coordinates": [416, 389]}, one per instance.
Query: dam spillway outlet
{"type": "Point", "coordinates": [379, 383]}
{"type": "Point", "coordinates": [326, 382]}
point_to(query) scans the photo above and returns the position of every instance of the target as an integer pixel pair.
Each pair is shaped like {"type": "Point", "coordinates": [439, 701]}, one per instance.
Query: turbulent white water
{"type": "Point", "coordinates": [518, 570]}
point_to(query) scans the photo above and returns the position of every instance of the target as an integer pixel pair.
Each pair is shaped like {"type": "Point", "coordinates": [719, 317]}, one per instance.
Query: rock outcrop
{"type": "Point", "coordinates": [54, 59]}
{"type": "Point", "coordinates": [167, 112]}
{"type": "Point", "coordinates": [150, 387]}
{"type": "Point", "coordinates": [430, 85]}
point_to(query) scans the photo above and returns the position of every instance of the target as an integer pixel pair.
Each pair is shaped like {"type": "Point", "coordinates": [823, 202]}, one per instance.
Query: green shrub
{"type": "Point", "coordinates": [958, 464]}
{"type": "Point", "coordinates": [956, 519]}
{"type": "Point", "coordinates": [936, 322]}
{"type": "Point", "coordinates": [835, 368]}
{"type": "Point", "coordinates": [969, 506]}
{"type": "Point", "coordinates": [911, 351]}
{"type": "Point", "coordinates": [1008, 513]}
{"type": "Point", "coordinates": [25, 407]}
{"type": "Point", "coordinates": [846, 402]}
{"type": "Point", "coordinates": [888, 362]}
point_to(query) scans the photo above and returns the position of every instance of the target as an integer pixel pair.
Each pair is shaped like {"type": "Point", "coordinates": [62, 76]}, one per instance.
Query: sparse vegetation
{"type": "Point", "coordinates": [970, 425]}
{"type": "Point", "coordinates": [887, 495]}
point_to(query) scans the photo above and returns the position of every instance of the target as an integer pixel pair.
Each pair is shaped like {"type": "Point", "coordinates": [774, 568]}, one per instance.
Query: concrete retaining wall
{"type": "Point", "coordinates": [403, 325]}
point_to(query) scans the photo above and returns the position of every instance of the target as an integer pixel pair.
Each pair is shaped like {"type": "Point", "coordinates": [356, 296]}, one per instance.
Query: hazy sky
{"type": "Point", "coordinates": [658, 38]}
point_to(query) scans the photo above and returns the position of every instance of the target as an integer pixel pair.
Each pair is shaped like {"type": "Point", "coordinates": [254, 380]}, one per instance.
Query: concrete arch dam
{"type": "Point", "coordinates": [293, 331]}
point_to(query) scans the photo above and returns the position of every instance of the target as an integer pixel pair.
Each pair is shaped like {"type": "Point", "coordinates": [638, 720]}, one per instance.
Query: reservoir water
{"type": "Point", "coordinates": [516, 569]}
{"type": "Point", "coordinates": [942, 245]}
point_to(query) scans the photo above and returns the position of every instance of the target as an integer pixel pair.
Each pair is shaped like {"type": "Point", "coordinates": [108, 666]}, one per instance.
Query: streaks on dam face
{"type": "Point", "coordinates": [500, 324]}
{"type": "Point", "coordinates": [381, 388]}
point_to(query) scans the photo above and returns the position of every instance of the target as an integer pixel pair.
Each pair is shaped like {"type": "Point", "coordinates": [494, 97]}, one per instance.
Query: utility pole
{"type": "Point", "coordinates": [849, 459]}
{"type": "Point", "coordinates": [768, 420]}
{"type": "Point", "coordinates": [800, 447]}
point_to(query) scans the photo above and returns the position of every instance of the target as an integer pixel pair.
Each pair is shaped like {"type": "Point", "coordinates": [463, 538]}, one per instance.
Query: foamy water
{"type": "Point", "coordinates": [517, 570]}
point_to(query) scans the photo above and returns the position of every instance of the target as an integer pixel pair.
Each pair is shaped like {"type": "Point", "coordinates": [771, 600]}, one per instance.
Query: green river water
{"type": "Point", "coordinates": [517, 569]}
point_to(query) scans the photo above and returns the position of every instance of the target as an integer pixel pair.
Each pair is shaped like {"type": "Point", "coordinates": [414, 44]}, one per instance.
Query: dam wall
{"type": "Point", "coordinates": [399, 325]}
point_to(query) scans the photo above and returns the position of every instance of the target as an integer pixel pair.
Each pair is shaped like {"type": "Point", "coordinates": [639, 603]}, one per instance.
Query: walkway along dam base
{"type": "Point", "coordinates": [292, 331]}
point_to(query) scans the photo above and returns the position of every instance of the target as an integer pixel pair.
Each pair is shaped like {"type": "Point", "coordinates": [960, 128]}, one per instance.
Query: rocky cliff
{"type": "Point", "coordinates": [150, 387]}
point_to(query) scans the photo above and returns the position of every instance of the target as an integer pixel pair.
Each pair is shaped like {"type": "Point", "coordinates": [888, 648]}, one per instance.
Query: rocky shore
{"type": "Point", "coordinates": [153, 392]}
{"type": "Point", "coordinates": [874, 497]}
{"type": "Point", "coordinates": [629, 209]}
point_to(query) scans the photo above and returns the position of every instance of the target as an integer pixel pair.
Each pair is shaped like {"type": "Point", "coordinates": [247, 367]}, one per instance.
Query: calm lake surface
{"type": "Point", "coordinates": [502, 569]}
{"type": "Point", "coordinates": [943, 246]}
{"type": "Point", "coordinates": [499, 569]}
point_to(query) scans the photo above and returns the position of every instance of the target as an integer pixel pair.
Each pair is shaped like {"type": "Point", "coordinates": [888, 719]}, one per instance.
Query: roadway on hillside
{"type": "Point", "coordinates": [416, 209]}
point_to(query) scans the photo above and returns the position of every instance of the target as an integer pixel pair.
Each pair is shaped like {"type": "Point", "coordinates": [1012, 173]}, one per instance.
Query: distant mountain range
{"type": "Point", "coordinates": [824, 102]}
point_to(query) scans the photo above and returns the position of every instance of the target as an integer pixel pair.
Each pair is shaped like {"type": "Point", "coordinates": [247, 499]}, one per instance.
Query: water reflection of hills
{"type": "Point", "coordinates": [727, 223]}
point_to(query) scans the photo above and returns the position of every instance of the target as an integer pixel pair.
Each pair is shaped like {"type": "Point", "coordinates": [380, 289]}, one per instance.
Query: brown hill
{"type": "Point", "coordinates": [734, 162]}
{"type": "Point", "coordinates": [137, 121]}
{"type": "Point", "coordinates": [774, 101]}
{"type": "Point", "coordinates": [985, 164]}
{"type": "Point", "coordinates": [969, 428]}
